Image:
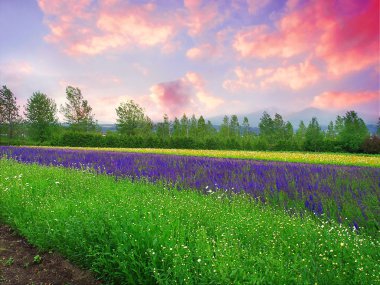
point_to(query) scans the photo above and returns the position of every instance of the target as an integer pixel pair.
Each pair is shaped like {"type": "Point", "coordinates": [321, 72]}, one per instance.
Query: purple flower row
{"type": "Point", "coordinates": [340, 191]}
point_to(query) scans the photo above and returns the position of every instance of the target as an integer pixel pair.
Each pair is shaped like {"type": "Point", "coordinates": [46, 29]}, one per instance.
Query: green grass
{"type": "Point", "coordinates": [141, 233]}
{"type": "Point", "coordinates": [372, 160]}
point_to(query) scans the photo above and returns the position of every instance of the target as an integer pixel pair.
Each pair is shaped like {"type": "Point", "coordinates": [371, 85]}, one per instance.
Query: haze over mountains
{"type": "Point", "coordinates": [324, 117]}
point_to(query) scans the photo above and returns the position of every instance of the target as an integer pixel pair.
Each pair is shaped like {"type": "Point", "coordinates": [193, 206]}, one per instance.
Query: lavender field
{"type": "Point", "coordinates": [347, 194]}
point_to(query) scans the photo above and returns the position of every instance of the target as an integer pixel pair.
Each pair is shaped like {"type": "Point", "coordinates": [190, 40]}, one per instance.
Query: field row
{"type": "Point", "coordinates": [347, 194]}
{"type": "Point", "coordinates": [303, 157]}
{"type": "Point", "coordinates": [142, 233]}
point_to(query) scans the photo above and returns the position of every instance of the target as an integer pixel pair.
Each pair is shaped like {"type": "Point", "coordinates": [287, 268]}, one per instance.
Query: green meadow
{"type": "Point", "coordinates": [143, 233]}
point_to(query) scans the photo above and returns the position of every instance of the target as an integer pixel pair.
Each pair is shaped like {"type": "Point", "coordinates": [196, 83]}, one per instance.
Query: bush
{"type": "Point", "coordinates": [372, 145]}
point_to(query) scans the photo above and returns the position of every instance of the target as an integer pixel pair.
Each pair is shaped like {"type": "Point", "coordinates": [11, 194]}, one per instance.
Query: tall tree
{"type": "Point", "coordinates": [41, 116]}
{"type": "Point", "coordinates": [354, 132]}
{"type": "Point", "coordinates": [330, 132]}
{"type": "Point", "coordinates": [77, 111]}
{"type": "Point", "coordinates": [132, 120]}
{"type": "Point", "coordinates": [163, 128]}
{"type": "Point", "coordinates": [266, 126]}
{"type": "Point", "coordinates": [210, 130]}
{"type": "Point", "coordinates": [193, 127]}
{"type": "Point", "coordinates": [279, 129]}
{"type": "Point", "coordinates": [300, 135]}
{"type": "Point", "coordinates": [289, 132]}
{"type": "Point", "coordinates": [339, 124]}
{"type": "Point", "coordinates": [378, 127]}
{"type": "Point", "coordinates": [176, 132]}
{"type": "Point", "coordinates": [184, 126]}
{"type": "Point", "coordinates": [234, 127]}
{"type": "Point", "coordinates": [245, 126]}
{"type": "Point", "coordinates": [313, 136]}
{"type": "Point", "coordinates": [224, 131]}
{"type": "Point", "coordinates": [202, 130]}
{"type": "Point", "coordinates": [9, 116]}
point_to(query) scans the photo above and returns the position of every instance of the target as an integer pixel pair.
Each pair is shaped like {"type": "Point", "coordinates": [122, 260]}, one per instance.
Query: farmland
{"type": "Point", "coordinates": [286, 156]}
{"type": "Point", "coordinates": [196, 220]}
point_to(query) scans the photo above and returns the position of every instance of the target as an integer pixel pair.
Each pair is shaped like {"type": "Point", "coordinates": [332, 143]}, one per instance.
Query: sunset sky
{"type": "Point", "coordinates": [194, 56]}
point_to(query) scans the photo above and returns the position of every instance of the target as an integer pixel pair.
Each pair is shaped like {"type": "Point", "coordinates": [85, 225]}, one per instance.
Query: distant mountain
{"type": "Point", "coordinates": [324, 117]}
{"type": "Point", "coordinates": [107, 127]}
{"type": "Point", "coordinates": [253, 118]}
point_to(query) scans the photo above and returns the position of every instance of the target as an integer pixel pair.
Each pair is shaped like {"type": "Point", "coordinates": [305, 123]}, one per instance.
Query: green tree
{"type": "Point", "coordinates": [176, 128]}
{"type": "Point", "coordinates": [163, 129]}
{"type": "Point", "coordinates": [300, 135]}
{"type": "Point", "coordinates": [9, 117]}
{"type": "Point", "coordinates": [289, 131]}
{"type": "Point", "coordinates": [330, 132]}
{"type": "Point", "coordinates": [246, 127]}
{"type": "Point", "coordinates": [279, 127]}
{"type": "Point", "coordinates": [77, 111]}
{"type": "Point", "coordinates": [193, 127]}
{"type": "Point", "coordinates": [210, 130]}
{"type": "Point", "coordinates": [266, 137]}
{"type": "Point", "coordinates": [184, 126]}
{"type": "Point", "coordinates": [131, 119]}
{"type": "Point", "coordinates": [202, 130]}
{"type": "Point", "coordinates": [266, 126]}
{"type": "Point", "coordinates": [234, 127]}
{"type": "Point", "coordinates": [354, 132]}
{"type": "Point", "coordinates": [339, 124]}
{"type": "Point", "coordinates": [224, 131]}
{"type": "Point", "coordinates": [378, 127]}
{"type": "Point", "coordinates": [313, 136]}
{"type": "Point", "coordinates": [41, 116]}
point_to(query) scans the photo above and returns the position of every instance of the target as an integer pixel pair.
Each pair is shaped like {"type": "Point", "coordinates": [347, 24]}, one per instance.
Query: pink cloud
{"type": "Point", "coordinates": [353, 43]}
{"type": "Point", "coordinates": [344, 100]}
{"type": "Point", "coordinates": [201, 16]}
{"type": "Point", "coordinates": [343, 34]}
{"type": "Point", "coordinates": [203, 51]}
{"type": "Point", "coordinates": [17, 67]}
{"type": "Point", "coordinates": [255, 5]}
{"type": "Point", "coordinates": [245, 80]}
{"type": "Point", "coordinates": [192, 4]}
{"type": "Point", "coordinates": [185, 95]}
{"type": "Point", "coordinates": [296, 76]}
{"type": "Point", "coordinates": [291, 4]}
{"type": "Point", "coordinates": [173, 95]}
{"type": "Point", "coordinates": [83, 28]}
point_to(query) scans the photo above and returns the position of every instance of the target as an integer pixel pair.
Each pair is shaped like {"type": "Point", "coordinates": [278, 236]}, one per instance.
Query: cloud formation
{"type": "Point", "coordinates": [295, 77]}
{"type": "Point", "coordinates": [201, 16]}
{"type": "Point", "coordinates": [203, 51]}
{"type": "Point", "coordinates": [344, 35]}
{"type": "Point", "coordinates": [83, 27]}
{"type": "Point", "coordinates": [344, 100]}
{"type": "Point", "coordinates": [255, 5]}
{"type": "Point", "coordinates": [185, 95]}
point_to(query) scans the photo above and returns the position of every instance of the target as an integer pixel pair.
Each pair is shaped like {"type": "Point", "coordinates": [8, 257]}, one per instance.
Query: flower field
{"type": "Point", "coordinates": [347, 194]}
{"type": "Point", "coordinates": [194, 219]}
{"type": "Point", "coordinates": [304, 157]}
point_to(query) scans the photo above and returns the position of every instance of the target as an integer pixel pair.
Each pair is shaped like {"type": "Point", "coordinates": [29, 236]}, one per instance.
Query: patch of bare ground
{"type": "Point", "coordinates": [21, 263]}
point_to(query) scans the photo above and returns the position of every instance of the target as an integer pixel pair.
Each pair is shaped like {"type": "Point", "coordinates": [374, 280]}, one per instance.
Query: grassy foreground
{"type": "Point", "coordinates": [372, 160]}
{"type": "Point", "coordinates": [140, 233]}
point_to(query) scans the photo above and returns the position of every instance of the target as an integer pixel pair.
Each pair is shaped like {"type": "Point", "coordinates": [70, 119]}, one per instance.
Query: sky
{"type": "Point", "coordinates": [196, 57]}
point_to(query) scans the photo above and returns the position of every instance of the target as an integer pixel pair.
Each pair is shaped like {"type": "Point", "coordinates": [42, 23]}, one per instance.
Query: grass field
{"type": "Point", "coordinates": [143, 233]}
{"type": "Point", "coordinates": [371, 160]}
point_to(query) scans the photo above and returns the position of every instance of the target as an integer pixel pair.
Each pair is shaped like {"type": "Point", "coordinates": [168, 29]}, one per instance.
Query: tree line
{"type": "Point", "coordinates": [134, 128]}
